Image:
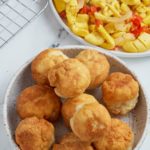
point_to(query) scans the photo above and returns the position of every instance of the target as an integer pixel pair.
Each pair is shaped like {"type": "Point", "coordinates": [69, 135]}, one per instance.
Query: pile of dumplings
{"type": "Point", "coordinates": [60, 91]}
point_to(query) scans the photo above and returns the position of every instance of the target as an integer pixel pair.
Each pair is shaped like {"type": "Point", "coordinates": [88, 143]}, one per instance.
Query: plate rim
{"type": "Point", "coordinates": [5, 112]}
{"type": "Point", "coordinates": [82, 41]}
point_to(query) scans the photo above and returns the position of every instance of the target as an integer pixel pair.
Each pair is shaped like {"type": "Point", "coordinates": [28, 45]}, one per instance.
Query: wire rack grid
{"type": "Point", "coordinates": [16, 14]}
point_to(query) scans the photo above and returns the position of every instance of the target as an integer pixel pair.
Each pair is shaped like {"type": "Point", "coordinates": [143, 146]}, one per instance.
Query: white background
{"type": "Point", "coordinates": [39, 35]}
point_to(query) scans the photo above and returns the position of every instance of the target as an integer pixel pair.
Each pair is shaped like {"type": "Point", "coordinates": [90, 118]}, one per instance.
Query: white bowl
{"type": "Point", "coordinates": [137, 119]}
{"type": "Point", "coordinates": [81, 40]}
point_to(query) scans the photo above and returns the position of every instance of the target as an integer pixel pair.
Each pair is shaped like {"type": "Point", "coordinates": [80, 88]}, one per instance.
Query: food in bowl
{"type": "Point", "coordinates": [113, 25]}
{"type": "Point", "coordinates": [34, 134]}
{"type": "Point", "coordinates": [87, 118]}
{"type": "Point", "coordinates": [40, 101]}
{"type": "Point", "coordinates": [70, 106]}
{"type": "Point", "coordinates": [70, 78]}
{"type": "Point", "coordinates": [71, 142]}
{"type": "Point", "coordinates": [120, 93]}
{"type": "Point", "coordinates": [120, 137]}
{"type": "Point", "coordinates": [97, 64]}
{"type": "Point", "coordinates": [85, 115]}
{"type": "Point", "coordinates": [90, 121]}
{"type": "Point", "coordinates": [44, 62]}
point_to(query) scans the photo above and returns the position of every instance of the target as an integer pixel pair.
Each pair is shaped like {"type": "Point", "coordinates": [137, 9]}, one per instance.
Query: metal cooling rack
{"type": "Point", "coordinates": [16, 14]}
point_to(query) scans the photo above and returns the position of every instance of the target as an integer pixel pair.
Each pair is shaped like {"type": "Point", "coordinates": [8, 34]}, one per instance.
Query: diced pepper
{"type": "Point", "coordinates": [136, 17]}
{"type": "Point", "coordinates": [137, 31]}
{"type": "Point", "coordinates": [89, 9]}
{"type": "Point", "coordinates": [94, 9]}
{"type": "Point", "coordinates": [63, 15]}
{"type": "Point", "coordinates": [85, 10]}
{"type": "Point", "coordinates": [136, 28]}
{"type": "Point", "coordinates": [116, 48]}
{"type": "Point", "coordinates": [98, 22]}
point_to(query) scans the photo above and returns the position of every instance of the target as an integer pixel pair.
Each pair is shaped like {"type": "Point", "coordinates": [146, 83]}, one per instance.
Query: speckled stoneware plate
{"type": "Point", "coordinates": [137, 119]}
{"type": "Point", "coordinates": [81, 40]}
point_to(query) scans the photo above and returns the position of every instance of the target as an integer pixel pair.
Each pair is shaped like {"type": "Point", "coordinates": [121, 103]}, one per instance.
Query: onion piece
{"type": "Point", "coordinates": [80, 3]}
{"type": "Point", "coordinates": [128, 15]}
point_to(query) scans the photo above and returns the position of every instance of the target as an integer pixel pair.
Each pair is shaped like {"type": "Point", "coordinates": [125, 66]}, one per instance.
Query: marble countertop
{"type": "Point", "coordinates": [40, 34]}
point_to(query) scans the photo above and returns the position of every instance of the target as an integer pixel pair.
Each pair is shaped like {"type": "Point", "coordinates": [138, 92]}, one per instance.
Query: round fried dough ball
{"type": "Point", "coordinates": [97, 64]}
{"type": "Point", "coordinates": [90, 122]}
{"type": "Point", "coordinates": [40, 101]}
{"type": "Point", "coordinates": [120, 93]}
{"type": "Point", "coordinates": [71, 142]}
{"type": "Point", "coordinates": [34, 134]}
{"type": "Point", "coordinates": [70, 78]}
{"type": "Point", "coordinates": [119, 137]}
{"type": "Point", "coordinates": [70, 106]}
{"type": "Point", "coordinates": [43, 62]}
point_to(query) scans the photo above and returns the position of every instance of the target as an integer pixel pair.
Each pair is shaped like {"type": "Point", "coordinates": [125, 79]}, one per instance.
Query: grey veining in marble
{"type": "Point", "coordinates": [63, 38]}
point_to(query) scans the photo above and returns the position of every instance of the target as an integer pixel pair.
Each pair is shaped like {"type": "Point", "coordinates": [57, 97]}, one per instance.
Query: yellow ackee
{"type": "Point", "coordinates": [132, 2]}
{"type": "Point", "coordinates": [98, 3]}
{"type": "Point", "coordinates": [71, 11]}
{"type": "Point", "coordinates": [60, 5]}
{"type": "Point", "coordinates": [94, 38]}
{"type": "Point", "coordinates": [146, 2]}
{"type": "Point", "coordinates": [129, 47]}
{"type": "Point", "coordinates": [145, 39]}
{"type": "Point", "coordinates": [141, 44]}
{"type": "Point", "coordinates": [80, 29]}
{"type": "Point", "coordinates": [147, 20]}
{"type": "Point", "coordinates": [92, 28]}
{"type": "Point", "coordinates": [82, 18]}
{"type": "Point", "coordinates": [110, 43]}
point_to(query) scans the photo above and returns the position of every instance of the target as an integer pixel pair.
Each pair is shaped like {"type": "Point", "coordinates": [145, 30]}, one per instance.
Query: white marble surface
{"type": "Point", "coordinates": [40, 34]}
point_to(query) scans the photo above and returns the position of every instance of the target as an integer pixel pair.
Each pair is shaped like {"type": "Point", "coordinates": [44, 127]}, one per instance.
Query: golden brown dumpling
{"type": "Point", "coordinates": [97, 64]}
{"type": "Point", "coordinates": [120, 93]}
{"type": "Point", "coordinates": [34, 134]}
{"type": "Point", "coordinates": [70, 78]}
{"type": "Point", "coordinates": [43, 62]}
{"type": "Point", "coordinates": [71, 105]}
{"type": "Point", "coordinates": [119, 137]}
{"type": "Point", "coordinates": [40, 101]}
{"type": "Point", "coordinates": [71, 142]}
{"type": "Point", "coordinates": [90, 122]}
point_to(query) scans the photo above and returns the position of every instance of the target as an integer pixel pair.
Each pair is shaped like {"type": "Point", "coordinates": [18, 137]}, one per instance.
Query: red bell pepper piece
{"type": "Point", "coordinates": [63, 14]}
{"type": "Point", "coordinates": [136, 28]}
{"type": "Point", "coordinates": [89, 9]}
{"type": "Point", "coordinates": [98, 22]}
{"type": "Point", "coordinates": [85, 9]}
